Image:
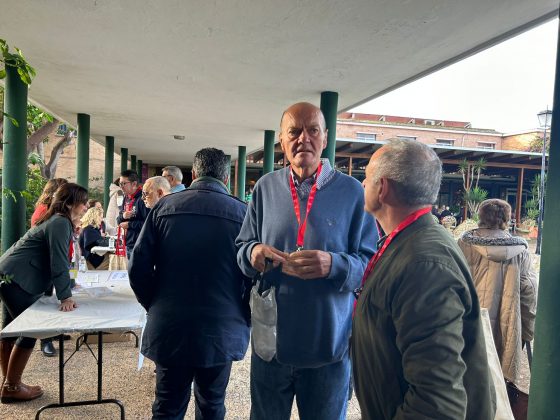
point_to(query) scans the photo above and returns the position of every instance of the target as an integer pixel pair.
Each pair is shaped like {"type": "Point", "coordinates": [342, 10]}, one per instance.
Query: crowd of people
{"type": "Point", "coordinates": [369, 291]}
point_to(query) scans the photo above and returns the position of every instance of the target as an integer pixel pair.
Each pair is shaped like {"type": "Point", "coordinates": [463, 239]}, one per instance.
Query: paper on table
{"type": "Point", "coordinates": [117, 276]}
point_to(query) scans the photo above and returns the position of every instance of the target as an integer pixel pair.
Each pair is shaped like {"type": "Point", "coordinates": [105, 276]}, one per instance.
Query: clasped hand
{"type": "Point", "coordinates": [305, 264]}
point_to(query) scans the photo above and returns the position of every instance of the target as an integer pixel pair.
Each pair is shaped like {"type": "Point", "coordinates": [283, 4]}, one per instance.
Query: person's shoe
{"type": "Point", "coordinates": [19, 393]}
{"type": "Point", "coordinates": [13, 389]}
{"type": "Point", "coordinates": [48, 349]}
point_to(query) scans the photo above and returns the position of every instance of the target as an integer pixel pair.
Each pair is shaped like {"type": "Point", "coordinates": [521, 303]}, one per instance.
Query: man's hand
{"type": "Point", "coordinates": [260, 252]}
{"type": "Point", "coordinates": [312, 264]}
{"type": "Point", "coordinates": [123, 225]}
{"type": "Point", "coordinates": [67, 305]}
{"type": "Point", "coordinates": [128, 214]}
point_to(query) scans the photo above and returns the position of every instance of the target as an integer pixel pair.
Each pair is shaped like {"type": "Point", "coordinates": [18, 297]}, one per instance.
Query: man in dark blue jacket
{"type": "Point", "coordinates": [183, 271]}
{"type": "Point", "coordinates": [133, 212]}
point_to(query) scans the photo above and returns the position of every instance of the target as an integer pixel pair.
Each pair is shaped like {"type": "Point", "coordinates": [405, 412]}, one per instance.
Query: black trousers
{"type": "Point", "coordinates": [15, 301]}
{"type": "Point", "coordinates": [173, 391]}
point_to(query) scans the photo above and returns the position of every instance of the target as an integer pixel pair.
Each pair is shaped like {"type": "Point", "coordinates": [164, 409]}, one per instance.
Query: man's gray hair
{"type": "Point", "coordinates": [211, 162]}
{"type": "Point", "coordinates": [159, 182]}
{"type": "Point", "coordinates": [413, 167]}
{"type": "Point", "coordinates": [174, 171]}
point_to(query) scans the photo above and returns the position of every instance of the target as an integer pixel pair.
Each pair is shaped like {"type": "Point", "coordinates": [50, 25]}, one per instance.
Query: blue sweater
{"type": "Point", "coordinates": [314, 316]}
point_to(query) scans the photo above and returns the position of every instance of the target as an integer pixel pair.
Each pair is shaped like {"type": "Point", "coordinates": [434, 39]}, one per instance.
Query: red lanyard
{"type": "Point", "coordinates": [303, 226]}
{"type": "Point", "coordinates": [411, 218]}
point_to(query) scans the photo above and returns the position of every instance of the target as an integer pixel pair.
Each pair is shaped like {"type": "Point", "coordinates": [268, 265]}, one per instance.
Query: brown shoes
{"type": "Point", "coordinates": [13, 390]}
{"type": "Point", "coordinates": [12, 393]}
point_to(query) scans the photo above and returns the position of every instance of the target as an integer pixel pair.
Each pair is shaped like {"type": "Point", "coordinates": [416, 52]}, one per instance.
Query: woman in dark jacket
{"type": "Point", "coordinates": [31, 266]}
{"type": "Point", "coordinates": [91, 236]}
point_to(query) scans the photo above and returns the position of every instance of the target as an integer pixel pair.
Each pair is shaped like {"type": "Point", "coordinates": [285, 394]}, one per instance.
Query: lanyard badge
{"type": "Point", "coordinates": [303, 226]}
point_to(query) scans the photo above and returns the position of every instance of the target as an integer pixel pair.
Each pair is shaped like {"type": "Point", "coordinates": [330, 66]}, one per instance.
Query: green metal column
{"type": "Point", "coordinates": [124, 159]}
{"type": "Point", "coordinates": [268, 159]}
{"type": "Point", "coordinates": [229, 173]}
{"type": "Point", "coordinates": [545, 387]}
{"type": "Point", "coordinates": [82, 151]}
{"type": "Point", "coordinates": [139, 169]}
{"type": "Point", "coordinates": [329, 106]}
{"type": "Point", "coordinates": [241, 169]}
{"type": "Point", "coordinates": [133, 162]}
{"type": "Point", "coordinates": [14, 164]}
{"type": "Point", "coordinates": [109, 164]}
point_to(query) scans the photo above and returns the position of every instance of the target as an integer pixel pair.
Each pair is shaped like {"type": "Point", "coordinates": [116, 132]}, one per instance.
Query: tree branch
{"type": "Point", "coordinates": [41, 134]}
{"type": "Point", "coordinates": [50, 168]}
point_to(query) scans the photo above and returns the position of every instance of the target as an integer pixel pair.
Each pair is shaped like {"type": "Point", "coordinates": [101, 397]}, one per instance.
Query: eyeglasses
{"type": "Point", "coordinates": [124, 183]}
{"type": "Point", "coordinates": [145, 194]}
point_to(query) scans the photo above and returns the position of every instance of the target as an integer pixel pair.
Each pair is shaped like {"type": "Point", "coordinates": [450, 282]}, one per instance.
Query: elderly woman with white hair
{"type": "Point", "coordinates": [505, 283]}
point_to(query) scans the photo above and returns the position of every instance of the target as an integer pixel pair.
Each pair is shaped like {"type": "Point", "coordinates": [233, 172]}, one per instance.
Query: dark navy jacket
{"type": "Point", "coordinates": [184, 272]}
{"type": "Point", "coordinates": [137, 221]}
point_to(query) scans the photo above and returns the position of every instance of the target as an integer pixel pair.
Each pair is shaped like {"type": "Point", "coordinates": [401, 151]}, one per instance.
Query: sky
{"type": "Point", "coordinates": [501, 88]}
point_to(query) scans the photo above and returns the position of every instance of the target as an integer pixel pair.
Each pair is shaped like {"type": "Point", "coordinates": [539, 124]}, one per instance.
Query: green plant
{"type": "Point", "coordinates": [474, 198]}
{"type": "Point", "coordinates": [17, 60]}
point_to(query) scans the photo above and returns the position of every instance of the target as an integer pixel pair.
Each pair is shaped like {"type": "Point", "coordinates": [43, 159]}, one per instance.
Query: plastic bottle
{"type": "Point", "coordinates": [82, 266]}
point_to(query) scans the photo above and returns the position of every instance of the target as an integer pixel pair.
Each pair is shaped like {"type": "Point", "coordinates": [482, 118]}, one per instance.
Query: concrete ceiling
{"type": "Point", "coordinates": [220, 72]}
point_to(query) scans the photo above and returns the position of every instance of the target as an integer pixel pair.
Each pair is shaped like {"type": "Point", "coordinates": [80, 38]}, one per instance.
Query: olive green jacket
{"type": "Point", "coordinates": [40, 258]}
{"type": "Point", "coordinates": [418, 347]}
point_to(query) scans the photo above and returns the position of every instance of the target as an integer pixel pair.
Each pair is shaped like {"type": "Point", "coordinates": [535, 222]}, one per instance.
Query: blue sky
{"type": "Point", "coordinates": [502, 88]}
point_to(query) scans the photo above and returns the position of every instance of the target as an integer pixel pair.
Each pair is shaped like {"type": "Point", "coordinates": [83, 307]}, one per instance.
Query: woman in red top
{"type": "Point", "coordinates": [45, 200]}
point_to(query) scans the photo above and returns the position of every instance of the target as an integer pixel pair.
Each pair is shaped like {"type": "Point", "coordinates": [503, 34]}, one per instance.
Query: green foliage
{"type": "Point", "coordinates": [6, 278]}
{"type": "Point", "coordinates": [34, 188]}
{"type": "Point", "coordinates": [536, 145]}
{"type": "Point", "coordinates": [25, 71]}
{"type": "Point", "coordinates": [474, 198]}
{"type": "Point", "coordinates": [36, 118]}
{"type": "Point", "coordinates": [17, 60]}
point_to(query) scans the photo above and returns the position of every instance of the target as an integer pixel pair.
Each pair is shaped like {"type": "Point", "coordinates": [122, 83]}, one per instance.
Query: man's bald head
{"type": "Point", "coordinates": [304, 107]}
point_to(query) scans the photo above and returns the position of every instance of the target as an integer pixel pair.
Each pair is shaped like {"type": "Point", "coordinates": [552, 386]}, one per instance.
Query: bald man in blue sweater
{"type": "Point", "coordinates": [309, 220]}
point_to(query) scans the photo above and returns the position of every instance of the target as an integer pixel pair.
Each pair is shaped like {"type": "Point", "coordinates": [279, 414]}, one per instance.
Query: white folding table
{"type": "Point", "coordinates": [106, 304]}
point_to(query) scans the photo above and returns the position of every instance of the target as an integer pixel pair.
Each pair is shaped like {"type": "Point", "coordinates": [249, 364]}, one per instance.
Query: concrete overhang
{"type": "Point", "coordinates": [221, 72]}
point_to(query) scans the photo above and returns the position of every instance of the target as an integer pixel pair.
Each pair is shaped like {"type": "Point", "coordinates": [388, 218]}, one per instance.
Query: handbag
{"type": "Point", "coordinates": [264, 315]}
{"type": "Point", "coordinates": [118, 261]}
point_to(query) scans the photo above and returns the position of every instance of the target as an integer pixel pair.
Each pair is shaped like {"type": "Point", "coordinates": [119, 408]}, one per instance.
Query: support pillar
{"type": "Point", "coordinates": [241, 172]}
{"type": "Point", "coordinates": [139, 169]}
{"type": "Point", "coordinates": [468, 183]}
{"type": "Point", "coordinates": [543, 403]}
{"type": "Point", "coordinates": [350, 163]}
{"type": "Point", "coordinates": [124, 159]}
{"type": "Point", "coordinates": [109, 164]}
{"type": "Point", "coordinates": [268, 159]}
{"type": "Point", "coordinates": [519, 196]}
{"type": "Point", "coordinates": [14, 163]}
{"type": "Point", "coordinates": [82, 151]}
{"type": "Point", "coordinates": [133, 162]}
{"type": "Point", "coordinates": [329, 106]}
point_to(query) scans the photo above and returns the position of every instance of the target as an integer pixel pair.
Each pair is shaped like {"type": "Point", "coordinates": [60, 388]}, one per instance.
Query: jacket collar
{"type": "Point", "coordinates": [208, 183]}
{"type": "Point", "coordinates": [472, 238]}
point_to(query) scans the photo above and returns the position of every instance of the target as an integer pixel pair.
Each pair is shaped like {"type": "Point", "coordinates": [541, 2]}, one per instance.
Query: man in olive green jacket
{"type": "Point", "coordinates": [418, 348]}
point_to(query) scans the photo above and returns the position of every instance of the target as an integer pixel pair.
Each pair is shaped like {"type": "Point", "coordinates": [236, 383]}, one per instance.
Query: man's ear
{"type": "Point", "coordinates": [193, 173]}
{"type": "Point", "coordinates": [326, 141]}
{"type": "Point", "coordinates": [384, 189]}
